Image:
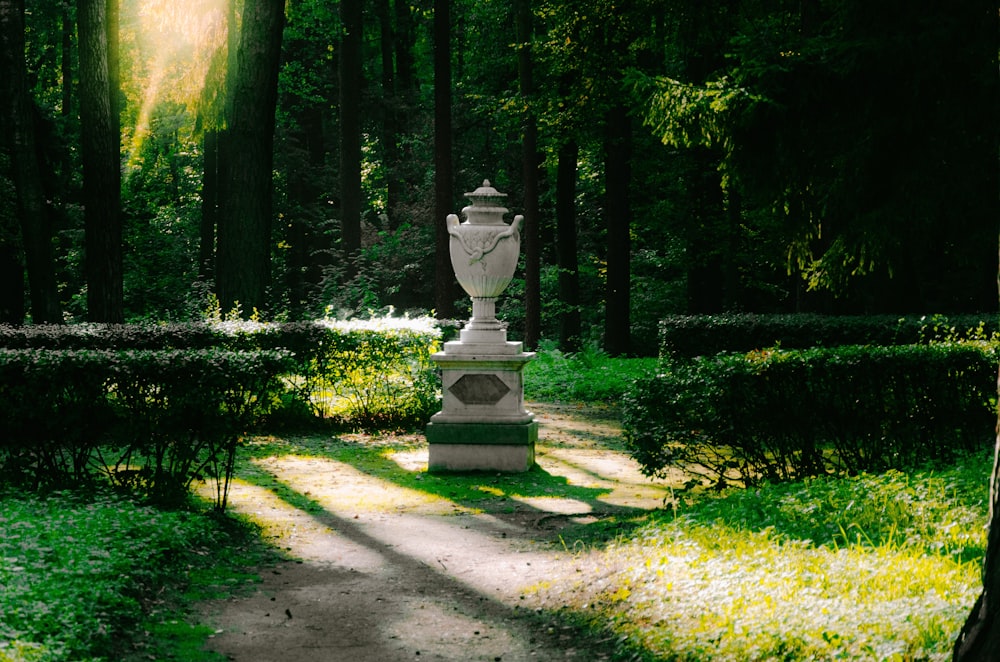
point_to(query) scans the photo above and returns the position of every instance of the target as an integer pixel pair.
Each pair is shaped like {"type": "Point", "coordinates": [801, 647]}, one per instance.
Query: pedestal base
{"type": "Point", "coordinates": [504, 447]}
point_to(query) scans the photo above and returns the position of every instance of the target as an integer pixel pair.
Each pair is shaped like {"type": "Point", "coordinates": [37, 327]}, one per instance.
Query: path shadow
{"type": "Point", "coordinates": [390, 590]}
{"type": "Point", "coordinates": [392, 559]}
{"type": "Point", "coordinates": [574, 482]}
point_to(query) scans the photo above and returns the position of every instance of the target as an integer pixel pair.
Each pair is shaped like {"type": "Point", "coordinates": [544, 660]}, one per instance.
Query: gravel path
{"type": "Point", "coordinates": [378, 572]}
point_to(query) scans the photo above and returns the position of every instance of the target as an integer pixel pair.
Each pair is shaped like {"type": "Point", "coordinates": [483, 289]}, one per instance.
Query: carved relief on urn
{"type": "Point", "coordinates": [484, 249]}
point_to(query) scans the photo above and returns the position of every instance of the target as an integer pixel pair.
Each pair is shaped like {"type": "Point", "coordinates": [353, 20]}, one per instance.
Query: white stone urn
{"type": "Point", "coordinates": [484, 252]}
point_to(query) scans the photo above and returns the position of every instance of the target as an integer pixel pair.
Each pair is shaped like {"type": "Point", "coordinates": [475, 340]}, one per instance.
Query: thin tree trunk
{"type": "Point", "coordinates": [618, 216]}
{"type": "Point", "coordinates": [566, 258]}
{"type": "Point", "coordinates": [390, 114]}
{"type": "Point", "coordinates": [350, 131]}
{"type": "Point", "coordinates": [101, 170]}
{"type": "Point", "coordinates": [404, 48]}
{"type": "Point", "coordinates": [529, 167]}
{"type": "Point", "coordinates": [66, 60]}
{"type": "Point", "coordinates": [209, 204]}
{"type": "Point", "coordinates": [215, 104]}
{"type": "Point", "coordinates": [445, 291]}
{"type": "Point", "coordinates": [243, 249]}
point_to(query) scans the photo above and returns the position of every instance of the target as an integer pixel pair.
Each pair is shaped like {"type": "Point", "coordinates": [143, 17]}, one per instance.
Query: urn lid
{"type": "Point", "coordinates": [486, 196]}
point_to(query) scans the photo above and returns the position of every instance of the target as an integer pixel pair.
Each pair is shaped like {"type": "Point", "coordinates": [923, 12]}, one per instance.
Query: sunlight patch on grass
{"type": "Point", "coordinates": [747, 595]}
{"type": "Point", "coordinates": [872, 567]}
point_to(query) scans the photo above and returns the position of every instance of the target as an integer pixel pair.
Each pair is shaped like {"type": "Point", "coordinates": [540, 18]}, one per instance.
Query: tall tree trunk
{"type": "Point", "coordinates": [243, 251]}
{"type": "Point", "coordinates": [114, 64]}
{"type": "Point", "coordinates": [66, 59]}
{"type": "Point", "coordinates": [215, 104]}
{"type": "Point", "coordinates": [350, 131]}
{"type": "Point", "coordinates": [566, 258]}
{"type": "Point", "coordinates": [101, 169]}
{"type": "Point", "coordinates": [404, 47]}
{"type": "Point", "coordinates": [32, 211]}
{"type": "Point", "coordinates": [445, 291]}
{"type": "Point", "coordinates": [209, 204]}
{"type": "Point", "coordinates": [529, 168]}
{"type": "Point", "coordinates": [979, 640]}
{"type": "Point", "coordinates": [308, 251]}
{"type": "Point", "coordinates": [390, 114]}
{"type": "Point", "coordinates": [618, 216]}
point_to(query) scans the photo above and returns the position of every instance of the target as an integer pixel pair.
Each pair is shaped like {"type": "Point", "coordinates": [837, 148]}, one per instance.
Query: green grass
{"type": "Point", "coordinates": [100, 577]}
{"type": "Point", "coordinates": [865, 568]}
{"type": "Point", "coordinates": [587, 376]}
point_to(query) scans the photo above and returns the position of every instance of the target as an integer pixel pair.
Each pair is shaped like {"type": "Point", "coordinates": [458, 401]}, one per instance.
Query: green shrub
{"type": "Point", "coordinates": [705, 335]}
{"type": "Point", "coordinates": [777, 414]}
{"type": "Point", "coordinates": [150, 420]}
{"type": "Point", "coordinates": [362, 373]}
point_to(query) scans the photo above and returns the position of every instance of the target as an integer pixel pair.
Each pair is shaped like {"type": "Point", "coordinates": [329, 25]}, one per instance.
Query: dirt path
{"type": "Point", "coordinates": [382, 572]}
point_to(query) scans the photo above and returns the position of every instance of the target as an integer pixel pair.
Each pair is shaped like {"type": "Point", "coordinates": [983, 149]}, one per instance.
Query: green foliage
{"type": "Point", "coordinates": [590, 376]}
{"type": "Point", "coordinates": [867, 567]}
{"type": "Point", "coordinates": [375, 373]}
{"type": "Point", "coordinates": [704, 335]}
{"type": "Point", "coordinates": [778, 414]}
{"type": "Point", "coordinates": [822, 131]}
{"type": "Point", "coordinates": [79, 573]}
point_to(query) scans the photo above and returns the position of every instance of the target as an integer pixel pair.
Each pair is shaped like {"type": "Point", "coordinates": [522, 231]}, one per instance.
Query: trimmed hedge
{"type": "Point", "coordinates": [362, 373]}
{"type": "Point", "coordinates": [705, 335]}
{"type": "Point", "coordinates": [154, 421]}
{"type": "Point", "coordinates": [155, 407]}
{"type": "Point", "coordinates": [781, 414]}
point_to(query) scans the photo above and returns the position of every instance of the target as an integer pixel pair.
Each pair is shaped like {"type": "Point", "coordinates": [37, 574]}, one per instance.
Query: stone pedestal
{"type": "Point", "coordinates": [482, 425]}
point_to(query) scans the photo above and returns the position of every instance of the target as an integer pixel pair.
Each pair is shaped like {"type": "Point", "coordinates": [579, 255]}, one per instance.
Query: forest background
{"type": "Point", "coordinates": [166, 159]}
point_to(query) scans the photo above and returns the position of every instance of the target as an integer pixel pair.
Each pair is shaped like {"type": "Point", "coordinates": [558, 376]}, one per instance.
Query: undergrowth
{"type": "Point", "coordinates": [590, 375]}
{"type": "Point", "coordinates": [865, 568]}
{"type": "Point", "coordinates": [88, 577]}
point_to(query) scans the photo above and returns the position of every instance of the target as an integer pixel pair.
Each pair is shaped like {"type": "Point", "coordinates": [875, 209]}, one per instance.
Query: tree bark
{"type": "Point", "coordinates": [390, 114]}
{"type": "Point", "coordinates": [445, 290]}
{"type": "Point", "coordinates": [66, 60]}
{"type": "Point", "coordinates": [243, 251]}
{"type": "Point", "coordinates": [979, 640]}
{"type": "Point", "coordinates": [529, 172]}
{"type": "Point", "coordinates": [618, 216]}
{"type": "Point", "coordinates": [101, 148]}
{"type": "Point", "coordinates": [350, 131]}
{"type": "Point", "coordinates": [566, 258]}
{"type": "Point", "coordinates": [33, 213]}
{"type": "Point", "coordinates": [404, 48]}
{"type": "Point", "coordinates": [209, 204]}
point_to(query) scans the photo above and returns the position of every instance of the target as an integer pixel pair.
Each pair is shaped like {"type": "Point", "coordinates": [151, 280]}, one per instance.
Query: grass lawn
{"type": "Point", "coordinates": [99, 577]}
{"type": "Point", "coordinates": [868, 568]}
